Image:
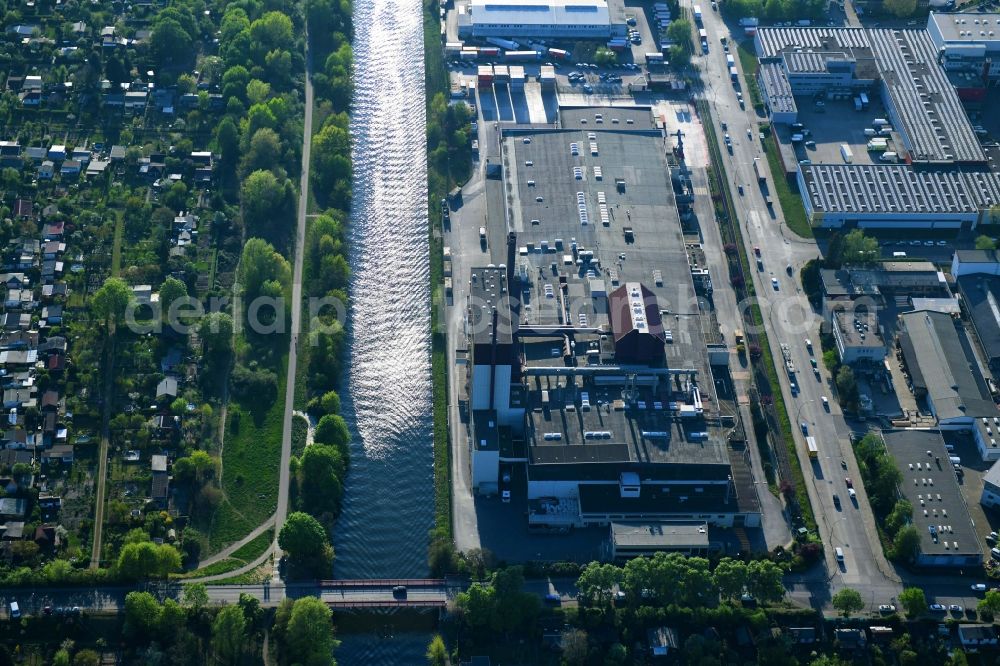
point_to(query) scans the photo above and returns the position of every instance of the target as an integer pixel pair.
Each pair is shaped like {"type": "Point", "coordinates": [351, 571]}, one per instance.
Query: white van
{"type": "Point", "coordinates": [840, 554]}
{"type": "Point", "coordinates": [898, 255]}
{"type": "Point", "coordinates": [15, 610]}
{"type": "Point", "coordinates": [870, 132]}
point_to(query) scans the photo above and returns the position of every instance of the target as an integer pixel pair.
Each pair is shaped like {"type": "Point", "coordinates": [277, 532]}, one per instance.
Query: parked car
{"type": "Point", "coordinates": [886, 609]}
{"type": "Point", "coordinates": [978, 587]}
{"type": "Point", "coordinates": [937, 608]}
{"type": "Point", "coordinates": [956, 608]}
{"type": "Point", "coordinates": [850, 484]}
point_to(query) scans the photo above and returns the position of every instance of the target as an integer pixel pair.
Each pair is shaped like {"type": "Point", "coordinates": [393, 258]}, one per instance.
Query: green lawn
{"type": "Point", "coordinates": [791, 202]}
{"type": "Point", "coordinates": [255, 548]}
{"type": "Point", "coordinates": [749, 64]}
{"type": "Point", "coordinates": [250, 459]}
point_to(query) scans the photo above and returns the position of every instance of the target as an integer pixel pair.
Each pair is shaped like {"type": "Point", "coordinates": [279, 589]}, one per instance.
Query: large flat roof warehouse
{"type": "Point", "coordinates": [935, 126]}
{"type": "Point", "coordinates": [921, 101]}
{"type": "Point", "coordinates": [538, 18]}
{"type": "Point", "coordinates": [871, 194]}
{"type": "Point", "coordinates": [981, 296]}
{"type": "Point", "coordinates": [966, 28]}
{"type": "Point", "coordinates": [947, 534]}
{"type": "Point", "coordinates": [772, 42]}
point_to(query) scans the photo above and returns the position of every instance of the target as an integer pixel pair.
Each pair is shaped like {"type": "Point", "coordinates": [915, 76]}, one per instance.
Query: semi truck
{"type": "Point", "coordinates": [812, 446]}
{"type": "Point", "coordinates": [845, 152]}
{"type": "Point", "coordinates": [730, 60]}
{"type": "Point", "coordinates": [697, 14]}
{"type": "Point", "coordinates": [503, 43]}
{"type": "Point", "coordinates": [759, 170]}
{"type": "Point", "coordinates": [734, 76]}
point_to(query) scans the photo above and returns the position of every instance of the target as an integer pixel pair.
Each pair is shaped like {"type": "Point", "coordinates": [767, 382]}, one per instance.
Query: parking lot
{"type": "Point", "coordinates": [830, 126]}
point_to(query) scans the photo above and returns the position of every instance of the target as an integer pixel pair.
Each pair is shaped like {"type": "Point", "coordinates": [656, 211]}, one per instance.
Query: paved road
{"type": "Point", "coordinates": [300, 234]}
{"type": "Point", "coordinates": [336, 593]}
{"type": "Point", "coordinates": [789, 321]}
{"type": "Point", "coordinates": [102, 456]}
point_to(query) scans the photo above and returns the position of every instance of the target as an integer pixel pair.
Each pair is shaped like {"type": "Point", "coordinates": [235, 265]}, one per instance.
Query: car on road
{"type": "Point", "coordinates": [848, 482]}
{"type": "Point", "coordinates": [739, 188]}
{"type": "Point", "coordinates": [937, 608]}
{"type": "Point", "coordinates": [774, 283]}
{"type": "Point", "coordinates": [956, 608]}
{"type": "Point", "coordinates": [505, 496]}
{"type": "Point", "coordinates": [836, 500]}
{"type": "Point", "coordinates": [805, 428]}
{"type": "Point", "coordinates": [887, 609]}
{"type": "Point", "coordinates": [942, 242]}
{"type": "Point", "coordinates": [399, 592]}
{"type": "Point", "coordinates": [749, 134]}
{"type": "Point", "coordinates": [826, 403]}
{"type": "Point", "coordinates": [978, 587]}
{"type": "Point", "coordinates": [588, 88]}
{"type": "Point", "coordinates": [853, 493]}
{"type": "Point", "coordinates": [756, 251]}
{"type": "Point", "coordinates": [15, 610]}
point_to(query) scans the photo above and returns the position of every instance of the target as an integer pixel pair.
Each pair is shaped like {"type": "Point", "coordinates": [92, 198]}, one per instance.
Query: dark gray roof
{"type": "Point", "coordinates": [936, 349]}
{"type": "Point", "coordinates": [978, 256]}
{"type": "Point", "coordinates": [929, 483]}
{"type": "Point", "coordinates": [488, 291]}
{"type": "Point", "coordinates": [982, 300]}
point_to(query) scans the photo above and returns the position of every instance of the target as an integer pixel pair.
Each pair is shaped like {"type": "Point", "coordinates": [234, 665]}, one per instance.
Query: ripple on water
{"type": "Point", "coordinates": [388, 502]}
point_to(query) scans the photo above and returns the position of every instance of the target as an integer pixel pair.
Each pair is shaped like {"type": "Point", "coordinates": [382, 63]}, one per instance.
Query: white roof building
{"type": "Point", "coordinates": [536, 18]}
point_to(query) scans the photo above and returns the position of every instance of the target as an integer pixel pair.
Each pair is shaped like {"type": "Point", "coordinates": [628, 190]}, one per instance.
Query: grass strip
{"type": "Point", "coordinates": [436, 81]}
{"type": "Point", "coordinates": [791, 202]}
{"type": "Point", "coordinates": [798, 479]}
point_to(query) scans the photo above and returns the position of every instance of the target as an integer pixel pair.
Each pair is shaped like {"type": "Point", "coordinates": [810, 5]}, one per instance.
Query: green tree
{"type": "Point", "coordinates": [764, 581]}
{"type": "Point", "coordinates": [142, 614]}
{"type": "Point", "coordinates": [597, 581]}
{"type": "Point", "coordinates": [227, 140]}
{"type": "Point", "coordinates": [61, 657]}
{"type": "Point", "coordinates": [913, 601]}
{"type": "Point", "coordinates": [575, 646]}
{"type": "Point", "coordinates": [176, 197]}
{"type": "Point", "coordinates": [171, 291]}
{"type": "Point", "coordinates": [264, 151]}
{"type": "Point", "coordinates": [147, 560]}
{"type": "Point", "coordinates": [86, 657]}
{"type": "Point", "coordinates": [265, 205]}
{"type": "Point", "coordinates": [216, 330]}
{"type": "Point", "coordinates": [320, 474]}
{"type": "Point", "coordinates": [258, 91]}
{"type": "Point", "coordinates": [847, 386]}
{"type": "Point", "coordinates": [330, 402]}
{"type": "Point", "coordinates": [985, 243]}
{"type": "Point", "coordinates": [848, 601]}
{"type": "Point", "coordinates": [730, 577]}
{"type": "Point", "coordinates": [271, 31]}
{"type": "Point", "coordinates": [901, 513]}
{"type": "Point", "coordinates": [229, 634]}
{"type": "Point", "coordinates": [110, 302]}
{"type": "Point", "coordinates": [309, 637]}
{"type": "Point", "coordinates": [437, 652]}
{"type": "Point", "coordinates": [260, 264]}
{"type": "Point", "coordinates": [195, 596]}
{"type": "Point", "coordinates": [169, 41]}
{"type": "Point", "coordinates": [605, 56]}
{"type": "Point", "coordinates": [900, 8]}
{"type": "Point", "coordinates": [990, 603]}
{"type": "Point", "coordinates": [305, 541]}
{"type": "Point", "coordinates": [859, 248]}
{"type": "Point", "coordinates": [332, 429]}
{"type": "Point", "coordinates": [906, 545]}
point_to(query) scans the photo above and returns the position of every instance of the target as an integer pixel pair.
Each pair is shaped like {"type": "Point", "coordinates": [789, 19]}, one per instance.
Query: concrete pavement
{"type": "Point", "coordinates": [789, 321]}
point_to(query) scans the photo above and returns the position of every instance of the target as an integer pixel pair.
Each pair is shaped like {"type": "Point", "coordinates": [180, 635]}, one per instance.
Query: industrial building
{"type": "Point", "coordinates": [981, 299]}
{"type": "Point", "coordinates": [970, 262]}
{"type": "Point", "coordinates": [991, 487]}
{"type": "Point", "coordinates": [857, 337]}
{"type": "Point", "coordinates": [967, 43]}
{"type": "Point", "coordinates": [570, 19]}
{"type": "Point", "coordinates": [896, 196]}
{"type": "Point", "coordinates": [947, 535]}
{"type": "Point", "coordinates": [630, 540]}
{"type": "Point", "coordinates": [921, 103]}
{"type": "Point", "coordinates": [942, 372]}
{"type": "Point", "coordinates": [606, 395]}
{"type": "Point", "coordinates": [892, 280]}
{"type": "Point", "coordinates": [777, 94]}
